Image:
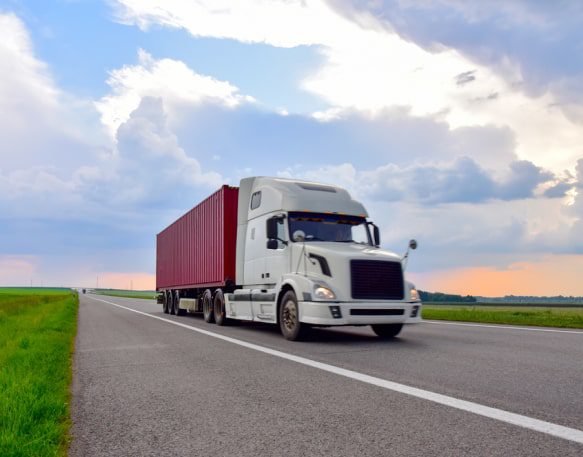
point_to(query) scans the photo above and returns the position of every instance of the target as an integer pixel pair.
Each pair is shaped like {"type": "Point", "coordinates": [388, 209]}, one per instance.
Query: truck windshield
{"type": "Point", "coordinates": [330, 227]}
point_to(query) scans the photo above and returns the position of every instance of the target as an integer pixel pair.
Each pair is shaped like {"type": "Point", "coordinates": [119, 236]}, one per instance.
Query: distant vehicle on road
{"type": "Point", "coordinates": [84, 291]}
{"type": "Point", "coordinates": [287, 252]}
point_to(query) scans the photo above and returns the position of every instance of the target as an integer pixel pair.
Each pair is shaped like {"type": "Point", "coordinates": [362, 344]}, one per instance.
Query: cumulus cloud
{"type": "Point", "coordinates": [40, 124]}
{"type": "Point", "coordinates": [460, 181]}
{"type": "Point", "coordinates": [280, 23]}
{"type": "Point", "coordinates": [574, 240]}
{"type": "Point", "coordinates": [67, 191]}
{"type": "Point", "coordinates": [369, 67]}
{"type": "Point", "coordinates": [24, 78]}
{"type": "Point", "coordinates": [499, 34]}
{"type": "Point", "coordinates": [558, 190]}
{"type": "Point", "coordinates": [438, 146]}
{"type": "Point", "coordinates": [169, 79]}
{"type": "Point", "coordinates": [165, 172]}
{"type": "Point", "coordinates": [463, 215]}
{"type": "Point", "coordinates": [148, 169]}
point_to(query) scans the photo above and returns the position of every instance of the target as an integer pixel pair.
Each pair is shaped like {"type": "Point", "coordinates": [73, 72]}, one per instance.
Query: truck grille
{"type": "Point", "coordinates": [376, 280]}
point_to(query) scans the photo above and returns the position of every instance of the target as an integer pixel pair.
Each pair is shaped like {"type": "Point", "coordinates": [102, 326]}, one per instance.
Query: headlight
{"type": "Point", "coordinates": [413, 294]}
{"type": "Point", "coordinates": [323, 293]}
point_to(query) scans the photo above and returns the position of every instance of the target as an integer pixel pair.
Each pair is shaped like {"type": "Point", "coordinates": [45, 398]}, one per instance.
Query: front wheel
{"type": "Point", "coordinates": [289, 318]}
{"type": "Point", "coordinates": [387, 331]}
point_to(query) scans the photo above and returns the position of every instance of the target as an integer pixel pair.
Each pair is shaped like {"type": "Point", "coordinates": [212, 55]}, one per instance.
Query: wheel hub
{"type": "Point", "coordinates": [290, 316]}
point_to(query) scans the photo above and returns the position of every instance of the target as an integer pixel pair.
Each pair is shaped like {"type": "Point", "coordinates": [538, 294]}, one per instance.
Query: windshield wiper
{"type": "Point", "coordinates": [352, 241]}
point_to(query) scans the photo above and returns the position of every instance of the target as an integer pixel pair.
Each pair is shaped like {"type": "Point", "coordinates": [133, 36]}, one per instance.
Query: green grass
{"type": "Point", "coordinates": [37, 329]}
{"type": "Point", "coordinates": [147, 294]}
{"type": "Point", "coordinates": [520, 315]}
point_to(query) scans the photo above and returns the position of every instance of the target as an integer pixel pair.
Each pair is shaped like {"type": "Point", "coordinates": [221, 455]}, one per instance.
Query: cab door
{"type": "Point", "coordinates": [277, 260]}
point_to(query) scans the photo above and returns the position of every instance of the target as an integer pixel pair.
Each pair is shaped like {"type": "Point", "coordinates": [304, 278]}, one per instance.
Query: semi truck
{"type": "Point", "coordinates": [289, 252]}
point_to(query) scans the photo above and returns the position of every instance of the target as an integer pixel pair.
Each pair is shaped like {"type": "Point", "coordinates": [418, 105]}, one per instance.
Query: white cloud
{"type": "Point", "coordinates": [461, 180]}
{"type": "Point", "coordinates": [169, 79]}
{"type": "Point", "coordinates": [23, 77]}
{"type": "Point", "coordinates": [462, 215]}
{"type": "Point", "coordinates": [369, 67]}
{"type": "Point", "coordinates": [51, 164]}
{"type": "Point", "coordinates": [165, 171]}
{"type": "Point", "coordinates": [285, 23]}
{"type": "Point", "coordinates": [378, 69]}
{"type": "Point", "coordinates": [40, 124]}
{"type": "Point", "coordinates": [385, 92]}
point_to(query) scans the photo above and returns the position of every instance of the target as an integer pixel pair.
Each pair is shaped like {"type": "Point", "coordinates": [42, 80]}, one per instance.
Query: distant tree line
{"type": "Point", "coordinates": [453, 298]}
{"type": "Point", "coordinates": [532, 299]}
{"type": "Point", "coordinates": [449, 298]}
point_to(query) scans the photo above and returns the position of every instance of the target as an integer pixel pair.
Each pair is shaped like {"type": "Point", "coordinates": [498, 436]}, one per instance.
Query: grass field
{"type": "Point", "coordinates": [552, 315]}
{"type": "Point", "coordinates": [515, 315]}
{"type": "Point", "coordinates": [37, 328]}
{"type": "Point", "coordinates": [149, 294]}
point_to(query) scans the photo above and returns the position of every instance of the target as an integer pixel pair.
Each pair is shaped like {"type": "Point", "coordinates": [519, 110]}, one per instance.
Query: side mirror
{"type": "Point", "coordinates": [413, 244]}
{"type": "Point", "coordinates": [272, 244]}
{"type": "Point", "coordinates": [377, 235]}
{"type": "Point", "coordinates": [271, 228]}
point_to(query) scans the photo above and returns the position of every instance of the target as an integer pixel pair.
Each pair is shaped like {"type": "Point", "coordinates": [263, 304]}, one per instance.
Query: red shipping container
{"type": "Point", "coordinates": [199, 249]}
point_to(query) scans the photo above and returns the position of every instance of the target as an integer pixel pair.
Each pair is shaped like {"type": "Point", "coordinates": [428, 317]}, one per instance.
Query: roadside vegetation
{"type": "Point", "coordinates": [552, 316]}
{"type": "Point", "coordinates": [146, 294]}
{"type": "Point", "coordinates": [37, 330]}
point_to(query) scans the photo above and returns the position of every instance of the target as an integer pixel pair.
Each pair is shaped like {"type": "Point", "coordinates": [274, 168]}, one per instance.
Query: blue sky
{"type": "Point", "coordinates": [82, 41]}
{"type": "Point", "coordinates": [458, 124]}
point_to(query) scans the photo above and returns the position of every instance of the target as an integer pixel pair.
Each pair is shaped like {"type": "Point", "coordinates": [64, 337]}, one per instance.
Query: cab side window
{"type": "Point", "coordinates": [255, 200]}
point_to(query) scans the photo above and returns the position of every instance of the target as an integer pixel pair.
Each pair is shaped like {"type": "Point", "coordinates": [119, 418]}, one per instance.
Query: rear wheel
{"type": "Point", "coordinates": [177, 310]}
{"type": "Point", "coordinates": [171, 302]}
{"type": "Point", "coordinates": [165, 304]}
{"type": "Point", "coordinates": [207, 306]}
{"type": "Point", "coordinates": [219, 308]}
{"type": "Point", "coordinates": [387, 331]}
{"type": "Point", "coordinates": [289, 318]}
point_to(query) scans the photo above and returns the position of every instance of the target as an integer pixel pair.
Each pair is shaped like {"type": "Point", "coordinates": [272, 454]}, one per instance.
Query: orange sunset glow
{"type": "Point", "coordinates": [134, 281]}
{"type": "Point", "coordinates": [553, 275]}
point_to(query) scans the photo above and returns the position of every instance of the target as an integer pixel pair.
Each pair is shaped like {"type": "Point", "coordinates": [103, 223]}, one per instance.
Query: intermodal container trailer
{"type": "Point", "coordinates": [293, 253]}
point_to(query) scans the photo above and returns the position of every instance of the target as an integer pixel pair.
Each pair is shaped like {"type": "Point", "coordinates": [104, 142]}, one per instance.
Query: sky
{"type": "Point", "coordinates": [459, 124]}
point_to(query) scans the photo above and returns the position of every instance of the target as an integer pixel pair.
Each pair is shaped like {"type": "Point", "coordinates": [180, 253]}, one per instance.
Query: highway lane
{"type": "Point", "coordinates": [142, 386]}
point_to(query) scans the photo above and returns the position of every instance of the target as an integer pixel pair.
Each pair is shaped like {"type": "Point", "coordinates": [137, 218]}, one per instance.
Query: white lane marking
{"type": "Point", "coordinates": [501, 326]}
{"type": "Point", "coordinates": [549, 428]}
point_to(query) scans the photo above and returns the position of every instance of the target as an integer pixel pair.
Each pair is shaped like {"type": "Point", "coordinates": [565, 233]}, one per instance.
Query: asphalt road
{"type": "Point", "coordinates": [143, 386]}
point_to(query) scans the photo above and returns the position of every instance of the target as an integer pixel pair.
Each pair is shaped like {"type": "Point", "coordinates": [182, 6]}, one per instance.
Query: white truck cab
{"type": "Point", "coordinates": [308, 255]}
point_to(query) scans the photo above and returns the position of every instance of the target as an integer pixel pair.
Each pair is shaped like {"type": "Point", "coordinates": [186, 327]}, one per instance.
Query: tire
{"type": "Point", "coordinates": [177, 310]}
{"type": "Point", "coordinates": [219, 308]}
{"type": "Point", "coordinates": [165, 301]}
{"type": "Point", "coordinates": [289, 318]}
{"type": "Point", "coordinates": [171, 302]}
{"type": "Point", "coordinates": [387, 331]}
{"type": "Point", "coordinates": [207, 306]}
